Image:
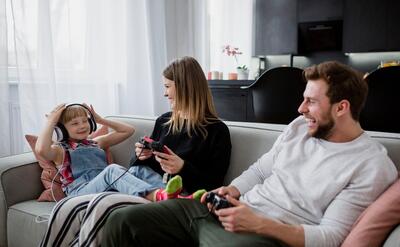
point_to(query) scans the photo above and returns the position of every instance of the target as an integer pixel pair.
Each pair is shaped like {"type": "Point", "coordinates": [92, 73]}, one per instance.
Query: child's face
{"type": "Point", "coordinates": [78, 128]}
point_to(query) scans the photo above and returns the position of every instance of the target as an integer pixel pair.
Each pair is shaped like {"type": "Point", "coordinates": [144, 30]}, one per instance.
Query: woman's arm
{"type": "Point", "coordinates": [209, 169]}
{"type": "Point", "coordinates": [44, 145]}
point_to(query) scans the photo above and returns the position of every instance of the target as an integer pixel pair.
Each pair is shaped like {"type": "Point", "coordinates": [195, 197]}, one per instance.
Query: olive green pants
{"type": "Point", "coordinates": [180, 222]}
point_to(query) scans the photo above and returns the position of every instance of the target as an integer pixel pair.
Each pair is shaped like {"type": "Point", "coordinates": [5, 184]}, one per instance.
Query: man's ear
{"type": "Point", "coordinates": [342, 107]}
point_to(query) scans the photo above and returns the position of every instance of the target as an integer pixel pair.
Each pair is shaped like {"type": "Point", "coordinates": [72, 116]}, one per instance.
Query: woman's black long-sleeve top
{"type": "Point", "coordinates": [206, 161]}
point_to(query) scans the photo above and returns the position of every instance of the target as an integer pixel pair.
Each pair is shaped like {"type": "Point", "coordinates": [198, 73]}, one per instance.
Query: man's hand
{"type": "Point", "coordinates": [239, 218]}
{"type": "Point", "coordinates": [223, 191]}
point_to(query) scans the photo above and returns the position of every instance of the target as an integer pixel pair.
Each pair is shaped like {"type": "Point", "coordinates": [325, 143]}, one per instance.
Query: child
{"type": "Point", "coordinates": [82, 162]}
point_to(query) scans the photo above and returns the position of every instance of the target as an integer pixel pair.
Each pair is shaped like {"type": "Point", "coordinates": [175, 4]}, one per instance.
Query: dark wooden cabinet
{"type": "Point", "coordinates": [231, 102]}
{"type": "Point", "coordinates": [392, 26]}
{"type": "Point", "coordinates": [275, 27]}
{"type": "Point", "coordinates": [371, 26]}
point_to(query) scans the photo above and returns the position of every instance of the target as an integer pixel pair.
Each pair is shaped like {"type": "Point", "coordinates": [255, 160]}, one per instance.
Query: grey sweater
{"type": "Point", "coordinates": [323, 186]}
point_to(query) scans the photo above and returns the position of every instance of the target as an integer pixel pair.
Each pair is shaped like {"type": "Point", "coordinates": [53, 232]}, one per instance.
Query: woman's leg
{"type": "Point", "coordinates": [65, 220]}
{"type": "Point", "coordinates": [97, 212]}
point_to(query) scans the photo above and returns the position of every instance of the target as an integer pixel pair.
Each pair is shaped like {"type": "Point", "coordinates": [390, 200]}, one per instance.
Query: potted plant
{"type": "Point", "coordinates": [242, 70]}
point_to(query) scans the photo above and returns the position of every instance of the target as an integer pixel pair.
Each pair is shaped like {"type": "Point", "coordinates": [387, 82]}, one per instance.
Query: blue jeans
{"type": "Point", "coordinates": [137, 181]}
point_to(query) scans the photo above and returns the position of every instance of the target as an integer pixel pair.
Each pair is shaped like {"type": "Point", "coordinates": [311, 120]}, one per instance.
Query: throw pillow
{"type": "Point", "coordinates": [49, 170]}
{"type": "Point", "coordinates": [377, 221]}
{"type": "Point", "coordinates": [48, 173]}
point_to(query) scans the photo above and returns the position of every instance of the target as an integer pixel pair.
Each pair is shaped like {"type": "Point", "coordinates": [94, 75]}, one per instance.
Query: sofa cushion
{"type": "Point", "coordinates": [24, 216]}
{"type": "Point", "coordinates": [377, 221]}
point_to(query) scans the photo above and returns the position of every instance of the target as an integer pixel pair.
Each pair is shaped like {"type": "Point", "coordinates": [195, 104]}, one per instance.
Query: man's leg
{"type": "Point", "coordinates": [166, 223]}
{"type": "Point", "coordinates": [173, 222]}
{"type": "Point", "coordinates": [211, 233]}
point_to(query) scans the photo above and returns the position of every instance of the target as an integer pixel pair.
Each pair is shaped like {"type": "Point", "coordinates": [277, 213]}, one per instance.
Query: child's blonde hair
{"type": "Point", "coordinates": [72, 112]}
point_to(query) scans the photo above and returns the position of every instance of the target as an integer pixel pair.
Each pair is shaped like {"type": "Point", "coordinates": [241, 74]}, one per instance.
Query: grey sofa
{"type": "Point", "coordinates": [20, 183]}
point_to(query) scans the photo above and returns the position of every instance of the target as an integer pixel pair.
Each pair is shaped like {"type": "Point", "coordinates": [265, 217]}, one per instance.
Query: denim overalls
{"type": "Point", "coordinates": [87, 161]}
{"type": "Point", "coordinates": [92, 174]}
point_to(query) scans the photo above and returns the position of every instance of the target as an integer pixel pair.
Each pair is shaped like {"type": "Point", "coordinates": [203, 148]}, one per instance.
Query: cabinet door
{"type": "Point", "coordinates": [393, 28]}
{"type": "Point", "coordinates": [364, 26]}
{"type": "Point", "coordinates": [230, 103]}
{"type": "Point", "coordinates": [275, 27]}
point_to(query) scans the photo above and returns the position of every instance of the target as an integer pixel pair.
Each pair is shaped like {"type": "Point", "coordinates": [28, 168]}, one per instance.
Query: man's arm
{"type": "Point", "coordinates": [260, 170]}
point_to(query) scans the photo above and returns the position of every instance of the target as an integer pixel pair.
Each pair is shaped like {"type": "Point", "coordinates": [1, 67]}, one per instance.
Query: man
{"type": "Point", "coordinates": [321, 173]}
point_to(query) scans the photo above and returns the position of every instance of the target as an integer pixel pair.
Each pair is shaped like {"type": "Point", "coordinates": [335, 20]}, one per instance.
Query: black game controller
{"type": "Point", "coordinates": [153, 145]}
{"type": "Point", "coordinates": [217, 202]}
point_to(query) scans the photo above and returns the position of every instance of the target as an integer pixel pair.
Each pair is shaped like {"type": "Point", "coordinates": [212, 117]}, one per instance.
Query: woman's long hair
{"type": "Point", "coordinates": [193, 101]}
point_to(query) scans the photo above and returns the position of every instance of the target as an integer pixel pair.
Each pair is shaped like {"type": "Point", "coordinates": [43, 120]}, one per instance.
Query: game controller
{"type": "Point", "coordinates": [153, 145]}
{"type": "Point", "coordinates": [216, 201]}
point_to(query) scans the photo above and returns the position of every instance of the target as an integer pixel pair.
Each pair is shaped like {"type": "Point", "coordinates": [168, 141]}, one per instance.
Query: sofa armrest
{"type": "Point", "coordinates": [393, 239]}
{"type": "Point", "coordinates": [19, 178]}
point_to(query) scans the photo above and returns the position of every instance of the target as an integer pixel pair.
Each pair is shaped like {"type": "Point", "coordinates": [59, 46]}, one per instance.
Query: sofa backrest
{"type": "Point", "coordinates": [249, 142]}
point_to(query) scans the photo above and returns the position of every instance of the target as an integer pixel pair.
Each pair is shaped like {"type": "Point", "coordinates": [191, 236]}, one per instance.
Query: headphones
{"type": "Point", "coordinates": [61, 131]}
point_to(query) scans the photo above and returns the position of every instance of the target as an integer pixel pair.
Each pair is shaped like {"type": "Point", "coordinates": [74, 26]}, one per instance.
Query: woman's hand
{"type": "Point", "coordinates": [54, 116]}
{"type": "Point", "coordinates": [141, 152]}
{"type": "Point", "coordinates": [170, 163]}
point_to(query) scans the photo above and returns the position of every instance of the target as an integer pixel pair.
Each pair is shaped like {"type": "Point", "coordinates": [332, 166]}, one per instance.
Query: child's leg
{"type": "Point", "coordinates": [148, 175]}
{"type": "Point", "coordinates": [116, 177]}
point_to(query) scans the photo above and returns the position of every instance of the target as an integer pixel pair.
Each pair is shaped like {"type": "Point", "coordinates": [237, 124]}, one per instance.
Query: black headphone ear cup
{"type": "Point", "coordinates": [92, 124]}
{"type": "Point", "coordinates": [61, 132]}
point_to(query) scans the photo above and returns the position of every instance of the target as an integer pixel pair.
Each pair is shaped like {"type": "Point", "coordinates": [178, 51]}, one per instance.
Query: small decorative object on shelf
{"type": "Point", "coordinates": [215, 75]}
{"type": "Point", "coordinates": [242, 70]}
{"type": "Point", "coordinates": [389, 63]}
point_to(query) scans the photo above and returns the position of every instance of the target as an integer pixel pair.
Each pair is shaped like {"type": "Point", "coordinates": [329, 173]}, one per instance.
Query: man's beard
{"type": "Point", "coordinates": [324, 130]}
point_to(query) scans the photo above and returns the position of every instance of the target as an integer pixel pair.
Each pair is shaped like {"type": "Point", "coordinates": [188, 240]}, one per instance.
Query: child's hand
{"type": "Point", "coordinates": [97, 118]}
{"type": "Point", "coordinates": [54, 116]}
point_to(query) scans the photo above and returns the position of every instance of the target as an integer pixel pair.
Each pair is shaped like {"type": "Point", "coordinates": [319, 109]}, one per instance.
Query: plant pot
{"type": "Point", "coordinates": [243, 74]}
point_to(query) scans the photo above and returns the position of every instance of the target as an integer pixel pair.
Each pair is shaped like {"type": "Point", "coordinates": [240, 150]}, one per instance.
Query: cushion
{"type": "Point", "coordinates": [48, 173]}
{"type": "Point", "coordinates": [49, 169]}
{"type": "Point", "coordinates": [375, 224]}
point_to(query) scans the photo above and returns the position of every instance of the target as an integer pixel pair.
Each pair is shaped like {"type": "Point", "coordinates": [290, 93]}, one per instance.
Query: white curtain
{"type": "Point", "coordinates": [231, 24]}
{"type": "Point", "coordinates": [109, 53]}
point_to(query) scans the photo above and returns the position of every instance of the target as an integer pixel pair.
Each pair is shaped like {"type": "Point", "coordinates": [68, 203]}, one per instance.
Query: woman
{"type": "Point", "coordinates": [198, 146]}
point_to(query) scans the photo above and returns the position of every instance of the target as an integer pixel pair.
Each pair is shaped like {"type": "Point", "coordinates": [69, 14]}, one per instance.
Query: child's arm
{"type": "Point", "coordinates": [121, 131]}
{"type": "Point", "coordinates": [44, 145]}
